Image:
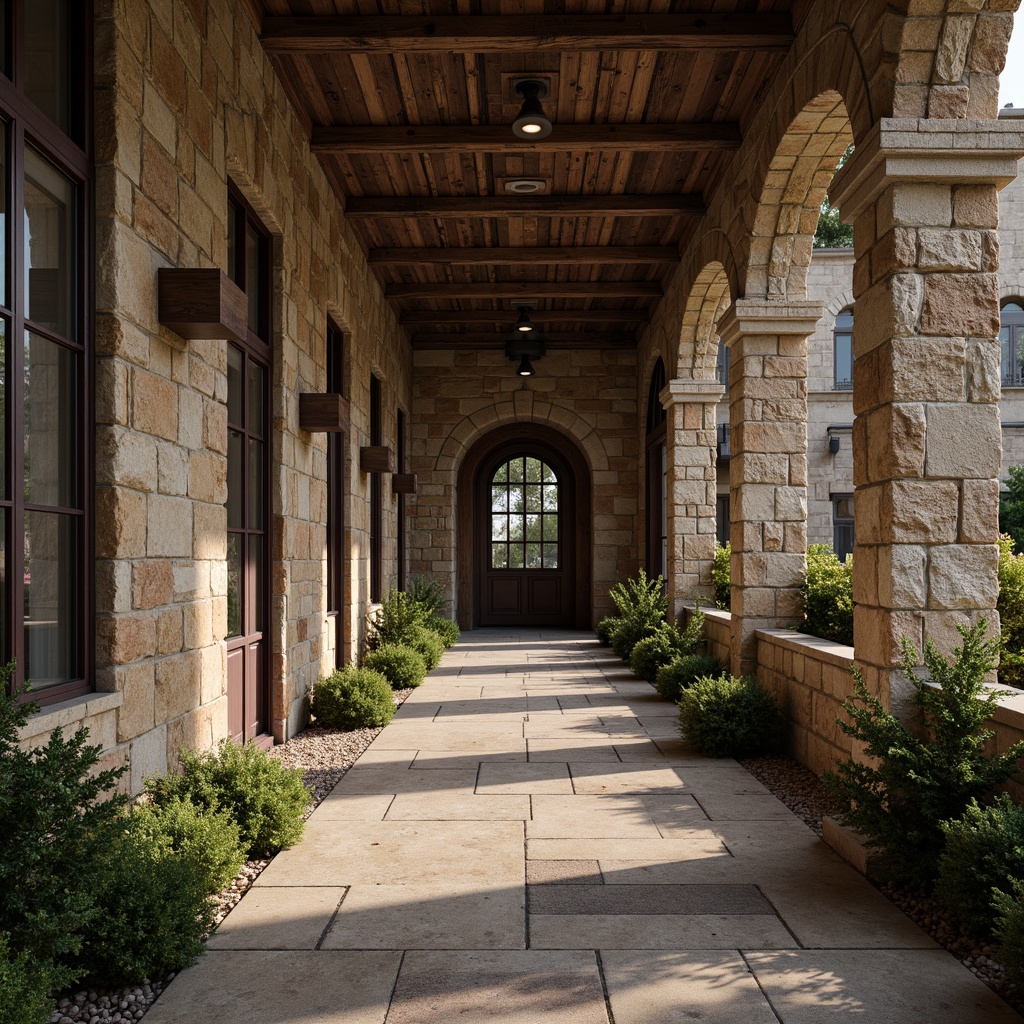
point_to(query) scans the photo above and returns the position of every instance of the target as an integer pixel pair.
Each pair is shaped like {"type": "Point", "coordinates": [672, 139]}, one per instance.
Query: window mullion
{"type": "Point", "coordinates": [16, 400]}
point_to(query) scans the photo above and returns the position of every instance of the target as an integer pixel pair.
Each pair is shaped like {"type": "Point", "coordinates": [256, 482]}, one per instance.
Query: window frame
{"type": "Point", "coordinates": [841, 524]}
{"type": "Point", "coordinates": [337, 346]}
{"type": "Point", "coordinates": [400, 507]}
{"type": "Point", "coordinates": [656, 470]}
{"type": "Point", "coordinates": [844, 330]}
{"type": "Point", "coordinates": [26, 126]}
{"type": "Point", "coordinates": [376, 496]}
{"type": "Point", "coordinates": [1012, 322]}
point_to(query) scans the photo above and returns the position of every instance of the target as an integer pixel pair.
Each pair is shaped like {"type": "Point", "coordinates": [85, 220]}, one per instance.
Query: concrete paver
{"type": "Point", "coordinates": [531, 842]}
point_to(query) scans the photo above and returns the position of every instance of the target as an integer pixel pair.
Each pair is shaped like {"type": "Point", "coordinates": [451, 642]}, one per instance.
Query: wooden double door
{"type": "Point", "coordinates": [525, 513]}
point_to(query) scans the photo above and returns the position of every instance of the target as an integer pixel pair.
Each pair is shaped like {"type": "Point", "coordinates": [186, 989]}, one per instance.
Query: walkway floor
{"type": "Point", "coordinates": [530, 842]}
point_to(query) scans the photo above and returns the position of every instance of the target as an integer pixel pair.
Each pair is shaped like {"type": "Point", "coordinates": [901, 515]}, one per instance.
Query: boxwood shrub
{"type": "Point", "coordinates": [682, 672]}
{"type": "Point", "coordinates": [401, 665]}
{"type": "Point", "coordinates": [353, 698]}
{"type": "Point", "coordinates": [429, 645]}
{"type": "Point", "coordinates": [729, 717]}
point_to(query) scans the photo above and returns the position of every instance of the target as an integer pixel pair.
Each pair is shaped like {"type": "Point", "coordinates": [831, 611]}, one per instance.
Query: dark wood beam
{"type": "Point", "coordinates": [472, 138]}
{"type": "Point", "coordinates": [487, 256]}
{"type": "Point", "coordinates": [501, 34]}
{"type": "Point", "coordinates": [507, 317]}
{"type": "Point", "coordinates": [497, 341]}
{"type": "Point", "coordinates": [526, 206]}
{"type": "Point", "coordinates": [484, 291]}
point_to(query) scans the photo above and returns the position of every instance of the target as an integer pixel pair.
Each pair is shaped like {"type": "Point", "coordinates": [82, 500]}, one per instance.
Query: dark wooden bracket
{"type": "Point", "coordinates": [320, 413]}
{"type": "Point", "coordinates": [376, 458]}
{"type": "Point", "coordinates": [403, 483]}
{"type": "Point", "coordinates": [202, 304]}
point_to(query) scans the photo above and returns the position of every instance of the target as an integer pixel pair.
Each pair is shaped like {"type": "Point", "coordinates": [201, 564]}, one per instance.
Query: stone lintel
{"type": "Point", "coordinates": [928, 150]}
{"type": "Point", "coordinates": [684, 392]}
{"type": "Point", "coordinates": [786, 317]}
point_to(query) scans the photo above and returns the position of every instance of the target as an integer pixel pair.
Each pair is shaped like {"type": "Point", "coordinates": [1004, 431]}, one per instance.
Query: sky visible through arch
{"type": "Point", "coordinates": [1011, 82]}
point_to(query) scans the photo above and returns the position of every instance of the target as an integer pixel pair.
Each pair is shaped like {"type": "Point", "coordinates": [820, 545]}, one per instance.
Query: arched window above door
{"type": "Point", "coordinates": [524, 515]}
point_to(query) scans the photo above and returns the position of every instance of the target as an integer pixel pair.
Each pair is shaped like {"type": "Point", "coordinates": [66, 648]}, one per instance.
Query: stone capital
{"type": "Point", "coordinates": [685, 392]}
{"type": "Point", "coordinates": [928, 150]}
{"type": "Point", "coordinates": [786, 317]}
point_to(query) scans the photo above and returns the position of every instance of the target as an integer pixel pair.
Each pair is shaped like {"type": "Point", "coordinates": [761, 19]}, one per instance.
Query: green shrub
{"type": "Point", "coordinates": [721, 576]}
{"type": "Point", "coordinates": [24, 987]}
{"type": "Point", "coordinates": [353, 698]}
{"type": "Point", "coordinates": [429, 645]}
{"type": "Point", "coordinates": [606, 627]}
{"type": "Point", "coordinates": [912, 784]}
{"type": "Point", "coordinates": [428, 595]}
{"type": "Point", "coordinates": [155, 909]}
{"type": "Point", "coordinates": [984, 851]}
{"type": "Point", "coordinates": [729, 717]}
{"type": "Point", "coordinates": [401, 665]}
{"type": "Point", "coordinates": [650, 653]}
{"type": "Point", "coordinates": [395, 621]}
{"type": "Point", "coordinates": [1011, 614]}
{"type": "Point", "coordinates": [828, 596]}
{"type": "Point", "coordinates": [266, 800]}
{"type": "Point", "coordinates": [56, 815]}
{"type": "Point", "coordinates": [1011, 507]}
{"type": "Point", "coordinates": [1010, 930]}
{"type": "Point", "coordinates": [642, 604]}
{"type": "Point", "coordinates": [682, 672]}
{"type": "Point", "coordinates": [447, 629]}
{"type": "Point", "coordinates": [207, 836]}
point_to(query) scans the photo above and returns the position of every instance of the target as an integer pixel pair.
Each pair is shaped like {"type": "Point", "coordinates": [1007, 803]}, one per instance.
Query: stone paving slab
{"type": "Point", "coordinates": [281, 988]}
{"type": "Point", "coordinates": [595, 778]}
{"type": "Point", "coordinates": [429, 916]}
{"type": "Point", "coordinates": [590, 817]}
{"type": "Point", "coordinates": [563, 872]}
{"type": "Point", "coordinates": [647, 899]}
{"type": "Point", "coordinates": [435, 760]}
{"type": "Point", "coordinates": [367, 807]}
{"type": "Point", "coordinates": [524, 778]}
{"type": "Point", "coordinates": [673, 988]}
{"type": "Point", "coordinates": [292, 917]}
{"type": "Point", "coordinates": [651, 931]}
{"type": "Point", "coordinates": [458, 807]}
{"type": "Point", "coordinates": [876, 987]}
{"type": "Point", "coordinates": [475, 987]}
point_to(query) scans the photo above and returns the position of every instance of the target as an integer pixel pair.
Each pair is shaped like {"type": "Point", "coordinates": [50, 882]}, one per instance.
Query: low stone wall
{"type": "Point", "coordinates": [811, 678]}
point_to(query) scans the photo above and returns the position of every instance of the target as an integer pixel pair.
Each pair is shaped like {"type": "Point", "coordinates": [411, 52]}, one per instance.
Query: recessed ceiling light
{"type": "Point", "coordinates": [525, 186]}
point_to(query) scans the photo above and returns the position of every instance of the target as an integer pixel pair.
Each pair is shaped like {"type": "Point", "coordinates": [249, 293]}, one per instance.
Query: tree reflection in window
{"type": "Point", "coordinates": [524, 515]}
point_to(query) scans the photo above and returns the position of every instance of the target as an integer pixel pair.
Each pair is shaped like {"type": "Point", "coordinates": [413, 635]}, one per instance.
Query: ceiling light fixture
{"type": "Point", "coordinates": [531, 122]}
{"type": "Point", "coordinates": [525, 368]}
{"type": "Point", "coordinates": [524, 325]}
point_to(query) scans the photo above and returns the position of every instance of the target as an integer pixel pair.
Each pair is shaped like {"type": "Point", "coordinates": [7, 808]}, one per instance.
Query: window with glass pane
{"type": "Point", "coordinates": [45, 576]}
{"type": "Point", "coordinates": [844, 351]}
{"type": "Point", "coordinates": [524, 515]}
{"type": "Point", "coordinates": [1011, 327]}
{"type": "Point", "coordinates": [842, 525]}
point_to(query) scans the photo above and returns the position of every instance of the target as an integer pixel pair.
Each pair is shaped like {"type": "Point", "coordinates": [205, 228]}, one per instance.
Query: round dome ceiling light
{"type": "Point", "coordinates": [525, 186]}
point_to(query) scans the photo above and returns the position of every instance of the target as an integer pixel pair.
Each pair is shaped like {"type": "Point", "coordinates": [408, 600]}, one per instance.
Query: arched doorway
{"type": "Point", "coordinates": [524, 531]}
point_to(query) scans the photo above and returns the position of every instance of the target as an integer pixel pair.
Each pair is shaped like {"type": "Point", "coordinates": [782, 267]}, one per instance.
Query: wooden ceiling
{"type": "Point", "coordinates": [409, 107]}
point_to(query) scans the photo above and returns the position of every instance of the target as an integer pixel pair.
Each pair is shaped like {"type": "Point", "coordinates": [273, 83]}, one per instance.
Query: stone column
{"type": "Point", "coordinates": [927, 441]}
{"type": "Point", "coordinates": [768, 466]}
{"type": "Point", "coordinates": [692, 487]}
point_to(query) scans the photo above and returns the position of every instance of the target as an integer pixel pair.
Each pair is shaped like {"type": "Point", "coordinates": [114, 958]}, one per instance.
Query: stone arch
{"type": "Point", "coordinates": [835, 306]}
{"type": "Point", "coordinates": [709, 297]}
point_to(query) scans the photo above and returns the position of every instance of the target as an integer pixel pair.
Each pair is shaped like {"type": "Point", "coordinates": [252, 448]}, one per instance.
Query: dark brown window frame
{"type": "Point", "coordinates": [257, 347]}
{"type": "Point", "coordinates": [655, 446]}
{"type": "Point", "coordinates": [337, 344]}
{"type": "Point", "coordinates": [400, 526]}
{"type": "Point", "coordinates": [27, 125]}
{"type": "Point", "coordinates": [376, 496]}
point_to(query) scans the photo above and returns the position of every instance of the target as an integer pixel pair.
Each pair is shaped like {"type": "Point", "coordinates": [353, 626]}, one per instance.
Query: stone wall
{"type": "Point", "coordinates": [186, 101]}
{"type": "Point", "coordinates": [590, 396]}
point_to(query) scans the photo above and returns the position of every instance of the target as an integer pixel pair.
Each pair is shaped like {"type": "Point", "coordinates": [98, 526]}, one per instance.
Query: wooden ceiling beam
{"type": "Point", "coordinates": [458, 139]}
{"type": "Point", "coordinates": [502, 34]}
{"type": "Point", "coordinates": [497, 256]}
{"type": "Point", "coordinates": [441, 317]}
{"type": "Point", "coordinates": [484, 291]}
{"type": "Point", "coordinates": [497, 341]}
{"type": "Point", "coordinates": [526, 206]}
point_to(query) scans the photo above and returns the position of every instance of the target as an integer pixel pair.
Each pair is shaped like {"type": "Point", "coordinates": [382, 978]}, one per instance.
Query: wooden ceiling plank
{"type": "Point", "coordinates": [440, 317]}
{"type": "Point", "coordinates": [441, 340]}
{"type": "Point", "coordinates": [524, 290]}
{"type": "Point", "coordinates": [501, 34]}
{"type": "Point", "coordinates": [661, 205]}
{"type": "Point", "coordinates": [529, 255]}
{"type": "Point", "coordinates": [466, 138]}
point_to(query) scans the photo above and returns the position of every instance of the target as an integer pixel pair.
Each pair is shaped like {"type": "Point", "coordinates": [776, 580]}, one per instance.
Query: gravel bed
{"type": "Point", "coordinates": [325, 756]}
{"type": "Point", "coordinates": [803, 793]}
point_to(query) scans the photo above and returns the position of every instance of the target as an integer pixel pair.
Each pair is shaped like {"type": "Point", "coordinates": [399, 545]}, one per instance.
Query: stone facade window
{"type": "Point", "coordinates": [722, 366]}
{"type": "Point", "coordinates": [722, 519]}
{"type": "Point", "coordinates": [842, 525]}
{"type": "Point", "coordinates": [1011, 329]}
{"type": "Point", "coordinates": [400, 530]}
{"type": "Point", "coordinates": [248, 505]}
{"type": "Point", "coordinates": [843, 351]}
{"type": "Point", "coordinates": [657, 476]}
{"type": "Point", "coordinates": [376, 497]}
{"type": "Point", "coordinates": [524, 515]}
{"type": "Point", "coordinates": [336, 550]}
{"type": "Point", "coordinates": [45, 348]}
